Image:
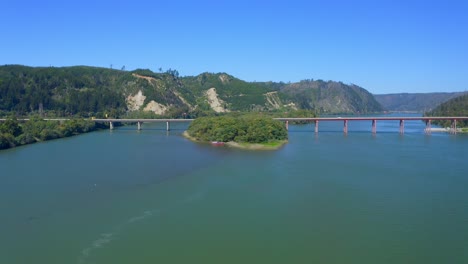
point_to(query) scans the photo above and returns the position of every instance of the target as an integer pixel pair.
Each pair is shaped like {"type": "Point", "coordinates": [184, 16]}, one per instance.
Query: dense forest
{"type": "Point", "coordinates": [90, 91]}
{"type": "Point", "coordinates": [414, 102]}
{"type": "Point", "coordinates": [14, 133]}
{"type": "Point", "coordinates": [331, 97]}
{"type": "Point", "coordinates": [238, 128]}
{"type": "Point", "coordinates": [455, 107]}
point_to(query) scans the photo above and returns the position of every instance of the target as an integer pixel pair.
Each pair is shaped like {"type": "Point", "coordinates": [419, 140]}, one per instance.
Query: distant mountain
{"type": "Point", "coordinates": [331, 97]}
{"type": "Point", "coordinates": [457, 106]}
{"type": "Point", "coordinates": [92, 91]}
{"type": "Point", "coordinates": [414, 102]}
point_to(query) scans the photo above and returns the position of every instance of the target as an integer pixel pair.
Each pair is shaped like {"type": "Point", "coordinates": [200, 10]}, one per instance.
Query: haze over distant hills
{"type": "Point", "coordinates": [414, 102]}
{"type": "Point", "coordinates": [89, 91]}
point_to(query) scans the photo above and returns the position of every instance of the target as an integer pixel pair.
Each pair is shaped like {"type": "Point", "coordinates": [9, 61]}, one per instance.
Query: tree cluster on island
{"type": "Point", "coordinates": [246, 128]}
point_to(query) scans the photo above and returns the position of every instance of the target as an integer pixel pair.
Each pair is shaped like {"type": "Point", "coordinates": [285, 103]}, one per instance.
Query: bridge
{"type": "Point", "coordinates": [140, 121]}
{"type": "Point", "coordinates": [316, 120]}
{"type": "Point", "coordinates": [345, 120]}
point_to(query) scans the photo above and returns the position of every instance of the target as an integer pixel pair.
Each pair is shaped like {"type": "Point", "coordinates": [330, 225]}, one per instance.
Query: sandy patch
{"type": "Point", "coordinates": [135, 102]}
{"type": "Point", "coordinates": [155, 107]}
{"type": "Point", "coordinates": [149, 79]}
{"type": "Point", "coordinates": [291, 105]}
{"type": "Point", "coordinates": [224, 78]}
{"type": "Point", "coordinates": [215, 103]}
{"type": "Point", "coordinates": [251, 146]}
{"type": "Point", "coordinates": [273, 99]}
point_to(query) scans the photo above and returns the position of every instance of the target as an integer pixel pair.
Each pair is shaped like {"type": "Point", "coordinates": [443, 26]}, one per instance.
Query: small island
{"type": "Point", "coordinates": [255, 132]}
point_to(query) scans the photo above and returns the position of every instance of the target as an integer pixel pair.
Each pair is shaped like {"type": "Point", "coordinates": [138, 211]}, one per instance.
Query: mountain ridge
{"type": "Point", "coordinates": [87, 90]}
{"type": "Point", "coordinates": [414, 102]}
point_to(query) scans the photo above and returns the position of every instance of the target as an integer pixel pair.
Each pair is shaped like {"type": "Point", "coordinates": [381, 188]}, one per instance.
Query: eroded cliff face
{"type": "Point", "coordinates": [134, 102]}
{"type": "Point", "coordinates": [213, 100]}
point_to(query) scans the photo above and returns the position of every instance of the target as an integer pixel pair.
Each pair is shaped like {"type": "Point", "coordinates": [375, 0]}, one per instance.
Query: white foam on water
{"type": "Point", "coordinates": [145, 214]}
{"type": "Point", "coordinates": [103, 239]}
{"type": "Point", "coordinates": [106, 238]}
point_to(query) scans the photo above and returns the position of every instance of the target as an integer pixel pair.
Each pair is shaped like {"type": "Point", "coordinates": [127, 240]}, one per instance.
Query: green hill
{"type": "Point", "coordinates": [331, 97]}
{"type": "Point", "coordinates": [457, 106]}
{"type": "Point", "coordinates": [413, 102]}
{"type": "Point", "coordinates": [91, 91]}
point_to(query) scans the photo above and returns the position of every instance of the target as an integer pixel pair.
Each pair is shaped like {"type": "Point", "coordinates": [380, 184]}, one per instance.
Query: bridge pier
{"type": "Point", "coordinates": [453, 127]}
{"type": "Point", "coordinates": [427, 130]}
{"type": "Point", "coordinates": [316, 126]}
{"type": "Point", "coordinates": [168, 127]}
{"type": "Point", "coordinates": [374, 126]}
{"type": "Point", "coordinates": [139, 125]}
{"type": "Point", "coordinates": [287, 125]}
{"type": "Point", "coordinates": [345, 126]}
{"type": "Point", "coordinates": [402, 126]}
{"type": "Point", "coordinates": [111, 126]}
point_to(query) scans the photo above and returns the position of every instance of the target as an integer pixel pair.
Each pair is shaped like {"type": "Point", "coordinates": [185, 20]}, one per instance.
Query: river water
{"type": "Point", "coordinates": [154, 197]}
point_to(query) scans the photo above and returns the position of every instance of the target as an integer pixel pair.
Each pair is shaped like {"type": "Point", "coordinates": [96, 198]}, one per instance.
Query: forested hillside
{"type": "Point", "coordinates": [413, 102]}
{"type": "Point", "coordinates": [331, 97]}
{"type": "Point", "coordinates": [455, 107]}
{"type": "Point", "coordinates": [91, 91]}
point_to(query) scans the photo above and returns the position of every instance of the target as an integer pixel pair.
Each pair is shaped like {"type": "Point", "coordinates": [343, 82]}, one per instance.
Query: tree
{"type": "Point", "coordinates": [11, 126]}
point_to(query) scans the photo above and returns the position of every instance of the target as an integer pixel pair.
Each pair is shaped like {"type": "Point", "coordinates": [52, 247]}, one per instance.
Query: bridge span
{"type": "Point", "coordinates": [316, 120]}
{"type": "Point", "coordinates": [140, 121]}
{"type": "Point", "coordinates": [345, 120]}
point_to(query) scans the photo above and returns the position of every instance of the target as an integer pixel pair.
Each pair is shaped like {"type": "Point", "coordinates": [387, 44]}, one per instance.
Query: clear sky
{"type": "Point", "coordinates": [385, 46]}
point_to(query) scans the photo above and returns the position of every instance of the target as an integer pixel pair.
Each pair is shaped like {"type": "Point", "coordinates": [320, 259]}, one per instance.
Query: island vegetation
{"type": "Point", "coordinates": [14, 133]}
{"type": "Point", "coordinates": [245, 131]}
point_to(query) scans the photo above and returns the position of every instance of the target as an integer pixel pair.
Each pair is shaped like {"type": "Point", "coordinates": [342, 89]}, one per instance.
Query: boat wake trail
{"type": "Point", "coordinates": [106, 238]}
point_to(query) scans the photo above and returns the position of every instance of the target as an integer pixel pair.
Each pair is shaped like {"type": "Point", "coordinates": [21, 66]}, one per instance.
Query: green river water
{"type": "Point", "coordinates": [154, 197]}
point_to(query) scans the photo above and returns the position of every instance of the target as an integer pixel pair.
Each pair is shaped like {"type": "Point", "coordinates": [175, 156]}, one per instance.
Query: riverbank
{"type": "Point", "coordinates": [15, 134]}
{"type": "Point", "coordinates": [448, 130]}
{"type": "Point", "coordinates": [242, 145]}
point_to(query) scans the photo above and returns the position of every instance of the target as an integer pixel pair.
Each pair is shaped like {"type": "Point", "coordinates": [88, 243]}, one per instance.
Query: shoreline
{"type": "Point", "coordinates": [448, 129]}
{"type": "Point", "coordinates": [247, 146]}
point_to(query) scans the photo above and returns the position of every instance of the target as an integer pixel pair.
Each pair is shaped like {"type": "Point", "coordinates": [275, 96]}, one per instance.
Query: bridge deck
{"type": "Point", "coordinates": [145, 120]}
{"type": "Point", "coordinates": [424, 118]}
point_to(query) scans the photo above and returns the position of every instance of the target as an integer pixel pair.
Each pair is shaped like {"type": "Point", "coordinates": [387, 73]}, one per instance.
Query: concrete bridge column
{"type": "Point", "coordinates": [402, 126]}
{"type": "Point", "coordinates": [139, 125]}
{"type": "Point", "coordinates": [374, 126]}
{"type": "Point", "coordinates": [168, 126]}
{"type": "Point", "coordinates": [428, 127]}
{"type": "Point", "coordinates": [316, 126]}
{"type": "Point", "coordinates": [111, 126]}
{"type": "Point", "coordinates": [287, 125]}
{"type": "Point", "coordinates": [453, 127]}
{"type": "Point", "coordinates": [345, 126]}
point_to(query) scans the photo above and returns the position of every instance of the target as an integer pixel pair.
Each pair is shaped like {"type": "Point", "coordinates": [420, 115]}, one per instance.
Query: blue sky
{"type": "Point", "coordinates": [383, 46]}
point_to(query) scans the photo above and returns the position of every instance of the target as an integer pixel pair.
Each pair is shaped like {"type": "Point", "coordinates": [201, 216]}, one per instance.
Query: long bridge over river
{"type": "Point", "coordinates": [316, 120]}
